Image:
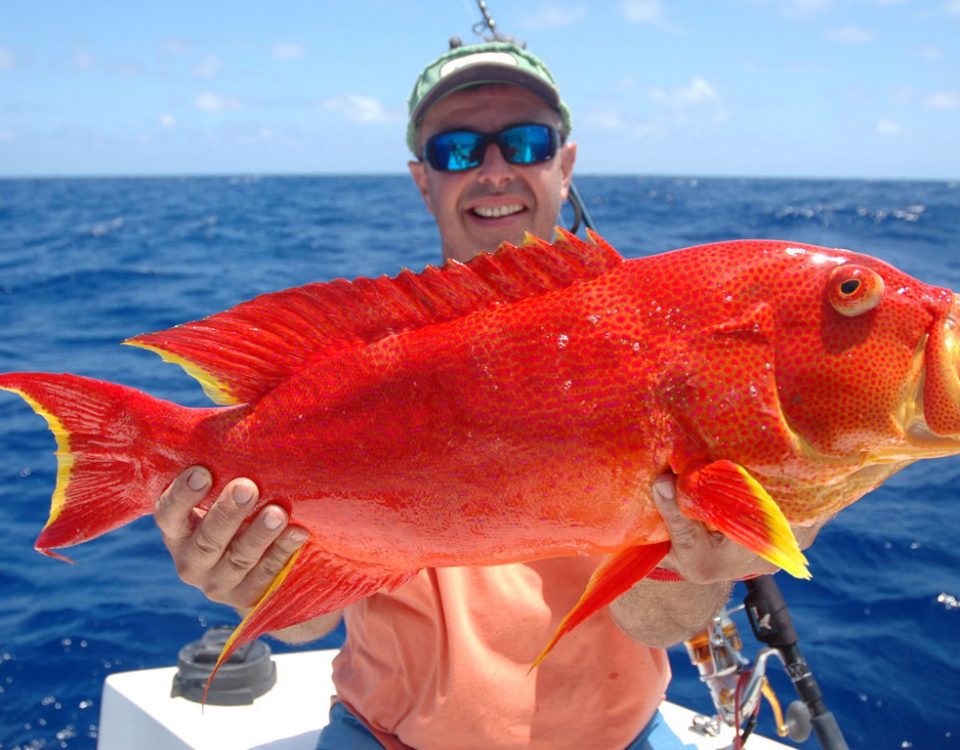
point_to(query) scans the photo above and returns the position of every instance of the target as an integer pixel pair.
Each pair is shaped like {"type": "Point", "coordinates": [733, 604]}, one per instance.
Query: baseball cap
{"type": "Point", "coordinates": [476, 64]}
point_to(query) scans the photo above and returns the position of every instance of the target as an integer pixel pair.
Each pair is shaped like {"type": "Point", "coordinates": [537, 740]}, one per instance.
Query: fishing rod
{"type": "Point", "coordinates": [772, 625]}
{"type": "Point", "coordinates": [486, 29]}
{"type": "Point", "coordinates": [736, 686]}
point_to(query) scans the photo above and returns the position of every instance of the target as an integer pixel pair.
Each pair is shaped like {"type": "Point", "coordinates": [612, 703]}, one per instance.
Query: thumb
{"type": "Point", "coordinates": [684, 532]}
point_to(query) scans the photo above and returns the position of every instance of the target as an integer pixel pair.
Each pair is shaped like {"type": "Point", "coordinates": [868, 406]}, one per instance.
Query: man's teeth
{"type": "Point", "coordinates": [495, 212]}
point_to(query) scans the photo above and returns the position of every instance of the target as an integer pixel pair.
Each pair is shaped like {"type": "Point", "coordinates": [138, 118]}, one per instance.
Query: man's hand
{"type": "Point", "coordinates": [701, 556]}
{"type": "Point", "coordinates": [661, 613]}
{"type": "Point", "coordinates": [228, 567]}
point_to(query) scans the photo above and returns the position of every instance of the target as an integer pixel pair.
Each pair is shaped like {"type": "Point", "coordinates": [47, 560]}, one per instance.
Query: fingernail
{"type": "Point", "coordinates": [273, 520]}
{"type": "Point", "coordinates": [664, 488]}
{"type": "Point", "coordinates": [298, 537]}
{"type": "Point", "coordinates": [242, 494]}
{"type": "Point", "coordinates": [198, 480]}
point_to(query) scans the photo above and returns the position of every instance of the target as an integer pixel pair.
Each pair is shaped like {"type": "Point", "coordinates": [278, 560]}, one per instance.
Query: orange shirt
{"type": "Point", "coordinates": [442, 662]}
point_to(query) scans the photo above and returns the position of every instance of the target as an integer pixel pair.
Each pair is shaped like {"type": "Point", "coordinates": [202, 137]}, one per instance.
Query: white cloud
{"type": "Point", "coordinates": [798, 8]}
{"type": "Point", "coordinates": [83, 60]}
{"type": "Point", "coordinates": [207, 67]}
{"type": "Point", "coordinates": [604, 119]}
{"type": "Point", "coordinates": [7, 59]}
{"type": "Point", "coordinates": [698, 91]}
{"type": "Point", "coordinates": [641, 11]}
{"type": "Point", "coordinates": [167, 120]}
{"type": "Point", "coordinates": [952, 7]}
{"type": "Point", "coordinates": [125, 69]}
{"type": "Point", "coordinates": [288, 50]}
{"type": "Point", "coordinates": [357, 108]}
{"type": "Point", "coordinates": [849, 35]}
{"type": "Point", "coordinates": [929, 52]}
{"type": "Point", "coordinates": [173, 45]}
{"type": "Point", "coordinates": [651, 129]}
{"type": "Point", "coordinates": [553, 15]}
{"type": "Point", "coordinates": [210, 102]}
{"type": "Point", "coordinates": [889, 129]}
{"type": "Point", "coordinates": [6, 136]}
{"type": "Point", "coordinates": [695, 102]}
{"type": "Point", "coordinates": [943, 100]}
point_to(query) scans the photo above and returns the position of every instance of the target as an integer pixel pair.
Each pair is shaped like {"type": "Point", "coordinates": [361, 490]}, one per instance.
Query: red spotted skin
{"type": "Point", "coordinates": [534, 429]}
{"type": "Point", "coordinates": [518, 407]}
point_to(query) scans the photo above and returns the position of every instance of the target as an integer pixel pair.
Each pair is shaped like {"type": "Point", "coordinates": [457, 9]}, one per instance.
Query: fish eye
{"type": "Point", "coordinates": [853, 290]}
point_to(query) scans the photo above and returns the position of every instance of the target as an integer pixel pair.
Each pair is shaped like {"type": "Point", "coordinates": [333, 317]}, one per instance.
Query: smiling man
{"type": "Point", "coordinates": [478, 205]}
{"type": "Point", "coordinates": [442, 662]}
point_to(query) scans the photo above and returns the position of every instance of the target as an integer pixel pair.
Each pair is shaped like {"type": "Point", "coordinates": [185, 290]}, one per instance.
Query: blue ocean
{"type": "Point", "coordinates": [86, 263]}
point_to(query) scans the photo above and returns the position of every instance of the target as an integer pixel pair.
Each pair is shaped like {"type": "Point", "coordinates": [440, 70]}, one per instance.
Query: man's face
{"type": "Point", "coordinates": [478, 208]}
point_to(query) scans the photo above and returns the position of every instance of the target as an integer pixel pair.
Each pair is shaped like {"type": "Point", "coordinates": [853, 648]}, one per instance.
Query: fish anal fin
{"type": "Point", "coordinates": [312, 583]}
{"type": "Point", "coordinates": [243, 353]}
{"type": "Point", "coordinates": [726, 497]}
{"type": "Point", "coordinates": [614, 577]}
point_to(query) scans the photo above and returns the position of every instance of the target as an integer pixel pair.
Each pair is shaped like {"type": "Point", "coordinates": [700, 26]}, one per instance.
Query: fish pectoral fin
{"type": "Point", "coordinates": [314, 582]}
{"type": "Point", "coordinates": [614, 577]}
{"type": "Point", "coordinates": [723, 495]}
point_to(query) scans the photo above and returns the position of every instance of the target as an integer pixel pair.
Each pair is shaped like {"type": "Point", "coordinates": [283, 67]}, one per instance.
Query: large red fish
{"type": "Point", "coordinates": [518, 407]}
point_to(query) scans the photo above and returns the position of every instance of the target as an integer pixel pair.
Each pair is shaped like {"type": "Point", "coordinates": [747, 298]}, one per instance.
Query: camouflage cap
{"type": "Point", "coordinates": [478, 64]}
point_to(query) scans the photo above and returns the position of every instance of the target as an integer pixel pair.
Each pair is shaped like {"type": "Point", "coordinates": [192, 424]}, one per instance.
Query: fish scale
{"type": "Point", "coordinates": [519, 406]}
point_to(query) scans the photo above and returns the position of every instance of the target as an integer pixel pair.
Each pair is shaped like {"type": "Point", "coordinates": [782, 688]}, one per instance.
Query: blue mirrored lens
{"type": "Point", "coordinates": [527, 144]}
{"type": "Point", "coordinates": [458, 150]}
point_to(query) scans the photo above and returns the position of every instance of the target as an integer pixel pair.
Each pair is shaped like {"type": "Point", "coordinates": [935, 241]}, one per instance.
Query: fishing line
{"type": "Point", "coordinates": [486, 29]}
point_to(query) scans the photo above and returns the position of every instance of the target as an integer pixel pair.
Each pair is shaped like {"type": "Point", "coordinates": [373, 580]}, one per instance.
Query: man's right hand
{"type": "Point", "coordinates": [210, 552]}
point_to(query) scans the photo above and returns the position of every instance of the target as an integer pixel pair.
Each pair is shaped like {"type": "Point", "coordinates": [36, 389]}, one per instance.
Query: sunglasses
{"type": "Point", "coordinates": [459, 150]}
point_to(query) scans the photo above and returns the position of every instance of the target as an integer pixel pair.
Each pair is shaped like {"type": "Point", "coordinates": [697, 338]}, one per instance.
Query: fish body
{"type": "Point", "coordinates": [519, 406]}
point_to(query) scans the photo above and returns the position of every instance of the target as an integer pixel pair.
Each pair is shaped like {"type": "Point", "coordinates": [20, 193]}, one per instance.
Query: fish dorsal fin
{"type": "Point", "coordinates": [242, 353]}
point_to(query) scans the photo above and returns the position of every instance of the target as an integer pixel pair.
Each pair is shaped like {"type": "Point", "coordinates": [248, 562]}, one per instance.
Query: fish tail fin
{"type": "Point", "coordinates": [725, 496]}
{"type": "Point", "coordinates": [105, 470]}
{"type": "Point", "coordinates": [613, 578]}
{"type": "Point", "coordinates": [314, 582]}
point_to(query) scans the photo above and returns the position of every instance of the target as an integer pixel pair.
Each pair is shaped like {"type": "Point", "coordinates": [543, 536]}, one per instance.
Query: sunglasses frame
{"type": "Point", "coordinates": [484, 142]}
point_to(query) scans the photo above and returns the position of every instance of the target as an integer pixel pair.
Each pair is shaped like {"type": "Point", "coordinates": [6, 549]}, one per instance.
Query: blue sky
{"type": "Point", "coordinates": [839, 88]}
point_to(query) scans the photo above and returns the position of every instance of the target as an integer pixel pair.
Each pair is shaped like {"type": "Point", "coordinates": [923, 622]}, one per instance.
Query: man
{"type": "Point", "coordinates": [442, 662]}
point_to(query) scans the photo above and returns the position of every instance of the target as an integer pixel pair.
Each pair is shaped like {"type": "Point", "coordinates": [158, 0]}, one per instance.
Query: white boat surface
{"type": "Point", "coordinates": [138, 711]}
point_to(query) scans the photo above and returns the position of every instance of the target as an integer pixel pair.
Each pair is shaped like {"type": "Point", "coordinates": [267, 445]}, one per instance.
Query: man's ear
{"type": "Point", "coordinates": [568, 155]}
{"type": "Point", "coordinates": [418, 170]}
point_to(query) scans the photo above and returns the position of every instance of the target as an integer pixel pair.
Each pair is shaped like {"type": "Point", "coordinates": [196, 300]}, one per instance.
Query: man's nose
{"type": "Point", "coordinates": [495, 169]}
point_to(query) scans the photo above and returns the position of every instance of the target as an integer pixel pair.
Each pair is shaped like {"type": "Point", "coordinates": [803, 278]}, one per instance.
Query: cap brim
{"type": "Point", "coordinates": [479, 74]}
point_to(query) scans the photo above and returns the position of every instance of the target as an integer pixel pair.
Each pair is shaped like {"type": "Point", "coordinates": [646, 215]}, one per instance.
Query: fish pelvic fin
{"type": "Point", "coordinates": [313, 582]}
{"type": "Point", "coordinates": [243, 353]}
{"type": "Point", "coordinates": [104, 453]}
{"type": "Point", "coordinates": [725, 496]}
{"type": "Point", "coordinates": [614, 577]}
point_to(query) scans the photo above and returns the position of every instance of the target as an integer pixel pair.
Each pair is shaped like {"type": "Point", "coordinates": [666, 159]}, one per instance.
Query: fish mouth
{"type": "Point", "coordinates": [939, 393]}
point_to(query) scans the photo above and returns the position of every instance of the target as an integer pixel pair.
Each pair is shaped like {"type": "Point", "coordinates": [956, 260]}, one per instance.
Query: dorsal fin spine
{"type": "Point", "coordinates": [248, 350]}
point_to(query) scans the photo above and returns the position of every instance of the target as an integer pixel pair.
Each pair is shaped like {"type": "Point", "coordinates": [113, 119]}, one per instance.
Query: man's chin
{"type": "Point", "coordinates": [489, 233]}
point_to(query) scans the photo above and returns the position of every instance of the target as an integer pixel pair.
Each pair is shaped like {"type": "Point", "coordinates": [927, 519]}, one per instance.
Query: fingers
{"type": "Point", "coordinates": [259, 576]}
{"type": "Point", "coordinates": [697, 554]}
{"type": "Point", "coordinates": [231, 561]}
{"type": "Point", "coordinates": [685, 533]}
{"type": "Point", "coordinates": [173, 512]}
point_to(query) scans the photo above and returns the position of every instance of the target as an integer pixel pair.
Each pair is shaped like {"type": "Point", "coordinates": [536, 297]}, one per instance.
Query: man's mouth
{"type": "Point", "coordinates": [497, 212]}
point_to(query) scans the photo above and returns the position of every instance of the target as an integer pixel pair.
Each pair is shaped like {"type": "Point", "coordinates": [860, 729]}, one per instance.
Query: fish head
{"type": "Point", "coordinates": [866, 357]}
{"type": "Point", "coordinates": [820, 371]}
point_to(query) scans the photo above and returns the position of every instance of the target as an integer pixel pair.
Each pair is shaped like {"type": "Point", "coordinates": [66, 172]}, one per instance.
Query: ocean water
{"type": "Point", "coordinates": [87, 263]}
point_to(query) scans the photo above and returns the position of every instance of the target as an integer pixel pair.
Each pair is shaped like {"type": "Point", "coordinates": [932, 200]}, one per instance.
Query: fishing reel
{"type": "Point", "coordinates": [736, 685]}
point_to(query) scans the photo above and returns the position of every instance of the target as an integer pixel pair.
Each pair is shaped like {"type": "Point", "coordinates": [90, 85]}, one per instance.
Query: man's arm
{"type": "Point", "coordinates": [230, 567]}
{"type": "Point", "coordinates": [661, 613]}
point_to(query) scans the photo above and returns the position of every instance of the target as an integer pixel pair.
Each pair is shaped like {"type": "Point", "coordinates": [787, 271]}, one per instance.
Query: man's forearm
{"type": "Point", "coordinates": [660, 614]}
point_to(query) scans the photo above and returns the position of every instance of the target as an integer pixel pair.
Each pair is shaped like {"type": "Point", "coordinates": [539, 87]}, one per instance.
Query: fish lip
{"type": "Point", "coordinates": [939, 397]}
